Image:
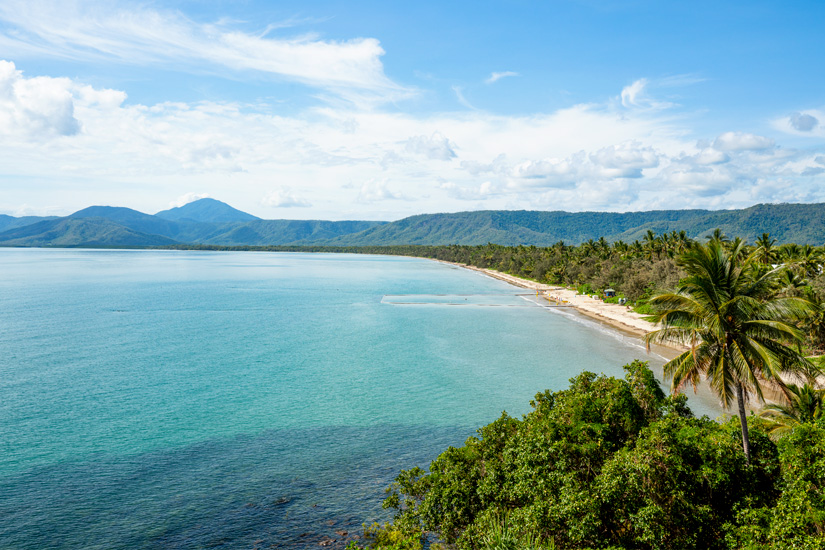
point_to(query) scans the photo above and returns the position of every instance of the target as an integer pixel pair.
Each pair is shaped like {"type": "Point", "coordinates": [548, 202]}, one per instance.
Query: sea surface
{"type": "Point", "coordinates": [171, 399]}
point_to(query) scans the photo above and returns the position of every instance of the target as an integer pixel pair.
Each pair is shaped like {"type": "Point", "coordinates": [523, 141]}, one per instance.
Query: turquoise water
{"type": "Point", "coordinates": [164, 399]}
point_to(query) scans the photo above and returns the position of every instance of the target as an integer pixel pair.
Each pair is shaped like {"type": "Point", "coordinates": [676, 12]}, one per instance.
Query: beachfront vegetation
{"type": "Point", "coordinates": [611, 463]}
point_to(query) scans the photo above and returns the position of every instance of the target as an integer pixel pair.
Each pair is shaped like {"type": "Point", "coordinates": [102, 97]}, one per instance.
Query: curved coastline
{"type": "Point", "coordinates": [618, 317]}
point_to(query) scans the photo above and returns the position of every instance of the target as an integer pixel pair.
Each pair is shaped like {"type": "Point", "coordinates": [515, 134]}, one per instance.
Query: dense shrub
{"type": "Point", "coordinates": [615, 464]}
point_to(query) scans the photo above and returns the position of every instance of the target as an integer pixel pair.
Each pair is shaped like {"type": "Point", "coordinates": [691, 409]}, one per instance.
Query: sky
{"type": "Point", "coordinates": [381, 110]}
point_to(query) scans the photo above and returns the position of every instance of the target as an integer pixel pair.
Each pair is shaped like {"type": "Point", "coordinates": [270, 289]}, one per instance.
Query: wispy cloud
{"type": "Point", "coordinates": [105, 31]}
{"type": "Point", "coordinates": [459, 94]}
{"type": "Point", "coordinates": [633, 94]}
{"type": "Point", "coordinates": [495, 77]}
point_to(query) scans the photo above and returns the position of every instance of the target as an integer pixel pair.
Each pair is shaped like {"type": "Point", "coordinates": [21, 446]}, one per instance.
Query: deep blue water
{"type": "Point", "coordinates": [163, 399]}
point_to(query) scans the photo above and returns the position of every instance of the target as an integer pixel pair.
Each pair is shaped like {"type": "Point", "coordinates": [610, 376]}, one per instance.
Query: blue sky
{"type": "Point", "coordinates": [378, 110]}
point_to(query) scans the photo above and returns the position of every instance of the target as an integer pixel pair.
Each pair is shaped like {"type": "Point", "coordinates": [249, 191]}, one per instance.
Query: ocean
{"type": "Point", "coordinates": [188, 399]}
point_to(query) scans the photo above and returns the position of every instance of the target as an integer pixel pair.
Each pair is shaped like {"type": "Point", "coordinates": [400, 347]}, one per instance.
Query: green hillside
{"type": "Point", "coordinates": [79, 232]}
{"type": "Point", "coordinates": [127, 227]}
{"type": "Point", "coordinates": [10, 222]}
{"type": "Point", "coordinates": [799, 223]}
{"type": "Point", "coordinates": [280, 232]}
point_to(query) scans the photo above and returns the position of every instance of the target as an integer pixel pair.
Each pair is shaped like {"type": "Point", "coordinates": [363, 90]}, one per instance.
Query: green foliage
{"type": "Point", "coordinates": [606, 462]}
{"type": "Point", "coordinates": [736, 324]}
{"type": "Point", "coordinates": [679, 483]}
{"type": "Point", "coordinates": [797, 520]}
{"type": "Point", "coordinates": [616, 464]}
{"type": "Point", "coordinates": [585, 289]}
{"type": "Point", "coordinates": [498, 533]}
{"type": "Point", "coordinates": [389, 537]}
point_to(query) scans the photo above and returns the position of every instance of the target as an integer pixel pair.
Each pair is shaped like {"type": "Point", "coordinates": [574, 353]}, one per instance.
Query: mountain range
{"type": "Point", "coordinates": [212, 222]}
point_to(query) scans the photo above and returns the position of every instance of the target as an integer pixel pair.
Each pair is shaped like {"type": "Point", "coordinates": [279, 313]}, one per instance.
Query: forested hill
{"type": "Point", "coordinates": [210, 222]}
{"type": "Point", "coordinates": [799, 223]}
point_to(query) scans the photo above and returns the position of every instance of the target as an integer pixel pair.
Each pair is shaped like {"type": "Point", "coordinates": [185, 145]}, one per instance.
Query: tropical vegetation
{"type": "Point", "coordinates": [739, 329]}
{"type": "Point", "coordinates": [617, 464]}
{"type": "Point", "coordinates": [614, 464]}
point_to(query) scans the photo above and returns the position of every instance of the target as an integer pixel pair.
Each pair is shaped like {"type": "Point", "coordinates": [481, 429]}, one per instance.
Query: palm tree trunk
{"type": "Point", "coordinates": [740, 400]}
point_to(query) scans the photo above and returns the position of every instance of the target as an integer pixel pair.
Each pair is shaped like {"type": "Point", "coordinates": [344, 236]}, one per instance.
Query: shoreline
{"type": "Point", "coordinates": [616, 316]}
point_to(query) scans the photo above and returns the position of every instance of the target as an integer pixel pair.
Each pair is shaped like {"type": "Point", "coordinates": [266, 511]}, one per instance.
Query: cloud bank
{"type": "Point", "coordinates": [81, 145]}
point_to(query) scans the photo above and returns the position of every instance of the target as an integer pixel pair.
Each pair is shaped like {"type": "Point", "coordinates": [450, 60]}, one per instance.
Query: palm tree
{"type": "Point", "coordinates": [718, 236]}
{"type": "Point", "coordinates": [805, 404]}
{"type": "Point", "coordinates": [809, 261]}
{"type": "Point", "coordinates": [765, 251]}
{"type": "Point", "coordinates": [734, 323]}
{"type": "Point", "coordinates": [651, 244]}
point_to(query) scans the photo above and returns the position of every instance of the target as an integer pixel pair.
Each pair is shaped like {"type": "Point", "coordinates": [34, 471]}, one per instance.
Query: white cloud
{"type": "Point", "coordinates": [706, 156]}
{"type": "Point", "coordinates": [638, 94]}
{"type": "Point", "coordinates": [626, 160]}
{"type": "Point", "coordinates": [481, 192]}
{"type": "Point", "coordinates": [134, 35]}
{"type": "Point", "coordinates": [741, 141]}
{"type": "Point", "coordinates": [284, 198]}
{"type": "Point", "coordinates": [35, 107]}
{"type": "Point", "coordinates": [375, 191]}
{"type": "Point", "coordinates": [435, 147]}
{"type": "Point", "coordinates": [187, 198]}
{"type": "Point", "coordinates": [498, 165]}
{"type": "Point", "coordinates": [558, 173]}
{"type": "Point", "coordinates": [632, 95]}
{"type": "Point", "coordinates": [495, 77]}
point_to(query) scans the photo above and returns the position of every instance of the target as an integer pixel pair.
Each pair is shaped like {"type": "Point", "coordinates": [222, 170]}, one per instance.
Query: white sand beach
{"type": "Point", "coordinates": [621, 317]}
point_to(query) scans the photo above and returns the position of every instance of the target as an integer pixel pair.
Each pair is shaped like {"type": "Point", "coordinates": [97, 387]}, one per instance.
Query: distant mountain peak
{"type": "Point", "coordinates": [206, 210]}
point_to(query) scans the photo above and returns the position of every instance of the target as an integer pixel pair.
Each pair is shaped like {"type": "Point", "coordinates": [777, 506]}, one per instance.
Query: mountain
{"type": "Point", "coordinates": [131, 219]}
{"type": "Point", "coordinates": [157, 230]}
{"type": "Point", "coordinates": [206, 210]}
{"type": "Point", "coordinates": [287, 232]}
{"type": "Point", "coordinates": [799, 223]}
{"type": "Point", "coordinates": [79, 232]}
{"type": "Point", "coordinates": [199, 223]}
{"type": "Point", "coordinates": [510, 227]}
{"type": "Point", "coordinates": [10, 222]}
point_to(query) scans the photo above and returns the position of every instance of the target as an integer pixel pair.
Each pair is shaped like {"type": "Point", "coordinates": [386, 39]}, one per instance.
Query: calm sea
{"type": "Point", "coordinates": [164, 399]}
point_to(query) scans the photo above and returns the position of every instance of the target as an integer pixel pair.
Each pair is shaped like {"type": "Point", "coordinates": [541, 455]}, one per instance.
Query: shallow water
{"type": "Point", "coordinates": [164, 399]}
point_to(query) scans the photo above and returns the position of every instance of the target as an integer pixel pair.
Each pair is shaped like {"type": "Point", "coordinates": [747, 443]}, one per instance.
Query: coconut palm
{"type": "Point", "coordinates": [806, 403]}
{"type": "Point", "coordinates": [734, 322]}
{"type": "Point", "coordinates": [718, 236]}
{"type": "Point", "coordinates": [765, 249]}
{"type": "Point", "coordinates": [651, 244]}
